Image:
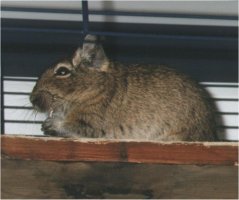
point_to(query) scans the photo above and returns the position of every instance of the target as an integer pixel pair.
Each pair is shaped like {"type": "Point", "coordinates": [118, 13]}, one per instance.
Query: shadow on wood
{"type": "Point", "coordinates": [47, 179]}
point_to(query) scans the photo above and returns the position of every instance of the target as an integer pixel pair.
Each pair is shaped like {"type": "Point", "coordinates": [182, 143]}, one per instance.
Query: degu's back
{"type": "Point", "coordinates": [90, 96]}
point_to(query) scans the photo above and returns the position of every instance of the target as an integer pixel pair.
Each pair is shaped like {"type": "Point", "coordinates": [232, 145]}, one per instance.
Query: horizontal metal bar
{"type": "Point", "coordinates": [19, 107]}
{"type": "Point", "coordinates": [164, 36]}
{"type": "Point", "coordinates": [31, 79]}
{"type": "Point", "coordinates": [125, 34]}
{"type": "Point", "coordinates": [228, 127]}
{"type": "Point", "coordinates": [31, 108]}
{"type": "Point", "coordinates": [40, 122]}
{"type": "Point", "coordinates": [28, 93]}
{"type": "Point", "coordinates": [41, 10]}
{"type": "Point", "coordinates": [42, 30]}
{"type": "Point", "coordinates": [17, 93]}
{"type": "Point", "coordinates": [23, 122]}
{"type": "Point", "coordinates": [224, 99]}
{"type": "Point", "coordinates": [20, 79]}
{"type": "Point", "coordinates": [221, 85]}
{"type": "Point", "coordinates": [122, 13]}
{"type": "Point", "coordinates": [227, 113]}
{"type": "Point", "coordinates": [168, 15]}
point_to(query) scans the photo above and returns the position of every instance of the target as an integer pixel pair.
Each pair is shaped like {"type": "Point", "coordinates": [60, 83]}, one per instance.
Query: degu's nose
{"type": "Point", "coordinates": [34, 99]}
{"type": "Point", "coordinates": [38, 102]}
{"type": "Point", "coordinates": [41, 101]}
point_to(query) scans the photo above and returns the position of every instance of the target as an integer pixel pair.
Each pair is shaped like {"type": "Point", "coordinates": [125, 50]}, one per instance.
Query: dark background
{"type": "Point", "coordinates": [207, 53]}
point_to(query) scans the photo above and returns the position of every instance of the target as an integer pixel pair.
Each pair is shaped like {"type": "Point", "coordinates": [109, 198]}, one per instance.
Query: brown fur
{"type": "Point", "coordinates": [100, 98]}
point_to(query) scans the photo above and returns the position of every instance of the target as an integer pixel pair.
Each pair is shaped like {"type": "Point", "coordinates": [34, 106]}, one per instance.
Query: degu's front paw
{"type": "Point", "coordinates": [49, 128]}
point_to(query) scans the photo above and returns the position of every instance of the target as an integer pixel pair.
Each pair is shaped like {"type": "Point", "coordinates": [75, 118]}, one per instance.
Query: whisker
{"type": "Point", "coordinates": [26, 115]}
{"type": "Point", "coordinates": [34, 112]}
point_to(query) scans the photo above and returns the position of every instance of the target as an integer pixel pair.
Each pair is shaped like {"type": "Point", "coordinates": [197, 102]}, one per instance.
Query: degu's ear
{"type": "Point", "coordinates": [76, 59]}
{"type": "Point", "coordinates": [93, 54]}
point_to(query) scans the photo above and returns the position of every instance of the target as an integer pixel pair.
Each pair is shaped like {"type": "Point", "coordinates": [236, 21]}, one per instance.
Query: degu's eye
{"type": "Point", "coordinates": [62, 71]}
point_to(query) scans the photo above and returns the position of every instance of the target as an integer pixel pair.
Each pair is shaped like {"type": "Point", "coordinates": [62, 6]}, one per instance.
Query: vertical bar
{"type": "Point", "coordinates": [2, 104]}
{"type": "Point", "coordinates": [85, 17]}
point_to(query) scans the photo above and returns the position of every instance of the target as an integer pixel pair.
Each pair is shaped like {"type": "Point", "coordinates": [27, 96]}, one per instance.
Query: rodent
{"type": "Point", "coordinates": [91, 96]}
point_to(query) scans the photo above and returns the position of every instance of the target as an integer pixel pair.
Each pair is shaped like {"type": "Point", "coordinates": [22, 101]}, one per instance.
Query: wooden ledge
{"type": "Point", "coordinates": [62, 149]}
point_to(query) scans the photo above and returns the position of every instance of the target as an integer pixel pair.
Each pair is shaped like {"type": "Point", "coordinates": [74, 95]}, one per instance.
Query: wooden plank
{"type": "Point", "coordinates": [28, 179]}
{"type": "Point", "coordinates": [62, 149]}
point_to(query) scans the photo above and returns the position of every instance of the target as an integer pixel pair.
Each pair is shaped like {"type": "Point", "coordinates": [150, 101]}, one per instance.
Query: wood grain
{"type": "Point", "coordinates": [24, 179]}
{"type": "Point", "coordinates": [61, 149]}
